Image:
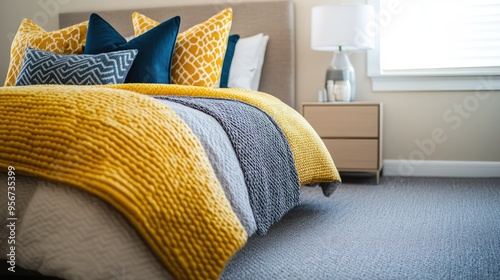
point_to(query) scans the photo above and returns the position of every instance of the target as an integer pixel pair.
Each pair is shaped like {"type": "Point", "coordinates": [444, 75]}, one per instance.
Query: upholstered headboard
{"type": "Point", "coordinates": [275, 18]}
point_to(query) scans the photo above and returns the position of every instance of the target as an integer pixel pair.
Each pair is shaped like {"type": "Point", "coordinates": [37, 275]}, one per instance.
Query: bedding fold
{"type": "Point", "coordinates": [223, 159]}
{"type": "Point", "coordinates": [263, 154]}
{"type": "Point", "coordinates": [312, 159]}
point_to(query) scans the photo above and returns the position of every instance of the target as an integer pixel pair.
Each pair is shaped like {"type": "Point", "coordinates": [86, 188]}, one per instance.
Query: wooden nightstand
{"type": "Point", "coordinates": [352, 132]}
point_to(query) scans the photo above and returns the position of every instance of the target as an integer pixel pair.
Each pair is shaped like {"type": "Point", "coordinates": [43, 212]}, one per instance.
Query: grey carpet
{"type": "Point", "coordinates": [404, 228]}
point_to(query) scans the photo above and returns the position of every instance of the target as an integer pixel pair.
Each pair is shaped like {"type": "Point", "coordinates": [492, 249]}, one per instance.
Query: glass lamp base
{"type": "Point", "coordinates": [341, 69]}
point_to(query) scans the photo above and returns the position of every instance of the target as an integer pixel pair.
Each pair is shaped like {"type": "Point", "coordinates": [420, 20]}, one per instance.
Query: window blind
{"type": "Point", "coordinates": [440, 36]}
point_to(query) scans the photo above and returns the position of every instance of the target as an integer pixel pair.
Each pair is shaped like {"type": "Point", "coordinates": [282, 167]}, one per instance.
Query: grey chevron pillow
{"type": "Point", "coordinates": [41, 67]}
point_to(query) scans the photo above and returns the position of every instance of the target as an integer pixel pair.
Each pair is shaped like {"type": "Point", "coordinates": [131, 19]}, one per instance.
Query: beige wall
{"type": "Point", "coordinates": [409, 117]}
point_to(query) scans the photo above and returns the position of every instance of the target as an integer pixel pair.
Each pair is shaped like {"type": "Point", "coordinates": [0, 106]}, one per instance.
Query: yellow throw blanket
{"type": "Point", "coordinates": [134, 153]}
{"type": "Point", "coordinates": [138, 155]}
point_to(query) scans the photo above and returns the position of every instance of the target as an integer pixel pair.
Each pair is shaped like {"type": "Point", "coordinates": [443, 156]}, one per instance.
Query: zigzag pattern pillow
{"type": "Point", "coordinates": [40, 67]}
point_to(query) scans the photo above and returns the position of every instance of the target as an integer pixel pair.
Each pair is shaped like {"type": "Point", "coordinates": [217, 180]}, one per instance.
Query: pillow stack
{"type": "Point", "coordinates": [94, 52]}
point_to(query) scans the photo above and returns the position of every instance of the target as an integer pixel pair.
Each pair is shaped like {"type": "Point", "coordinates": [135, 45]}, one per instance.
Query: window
{"type": "Point", "coordinates": [435, 45]}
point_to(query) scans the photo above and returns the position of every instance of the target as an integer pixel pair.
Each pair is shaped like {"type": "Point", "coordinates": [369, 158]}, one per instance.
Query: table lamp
{"type": "Point", "coordinates": [341, 28]}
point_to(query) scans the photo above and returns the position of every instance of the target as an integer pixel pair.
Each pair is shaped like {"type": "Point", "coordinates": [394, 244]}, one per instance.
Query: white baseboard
{"type": "Point", "coordinates": [430, 168]}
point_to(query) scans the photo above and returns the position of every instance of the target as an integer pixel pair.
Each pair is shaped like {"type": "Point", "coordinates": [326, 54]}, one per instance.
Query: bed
{"type": "Point", "coordinates": [152, 180]}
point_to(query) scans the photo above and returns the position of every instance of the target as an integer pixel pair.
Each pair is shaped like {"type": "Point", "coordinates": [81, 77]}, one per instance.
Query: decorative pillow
{"type": "Point", "coordinates": [69, 40]}
{"type": "Point", "coordinates": [199, 51]}
{"type": "Point", "coordinates": [228, 58]}
{"type": "Point", "coordinates": [40, 67]}
{"type": "Point", "coordinates": [246, 66]}
{"type": "Point", "coordinates": [154, 60]}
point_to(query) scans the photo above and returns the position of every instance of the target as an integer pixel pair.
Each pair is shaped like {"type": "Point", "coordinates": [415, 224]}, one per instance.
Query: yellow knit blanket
{"type": "Point", "coordinates": [139, 156]}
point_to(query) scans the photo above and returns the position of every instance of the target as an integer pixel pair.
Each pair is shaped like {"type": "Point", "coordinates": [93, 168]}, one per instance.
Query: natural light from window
{"type": "Point", "coordinates": [440, 38]}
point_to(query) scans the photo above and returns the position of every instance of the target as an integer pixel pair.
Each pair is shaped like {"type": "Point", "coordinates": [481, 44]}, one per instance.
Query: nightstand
{"type": "Point", "coordinates": [352, 132]}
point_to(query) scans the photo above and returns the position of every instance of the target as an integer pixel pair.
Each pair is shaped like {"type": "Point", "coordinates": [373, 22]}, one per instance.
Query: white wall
{"type": "Point", "coordinates": [409, 117]}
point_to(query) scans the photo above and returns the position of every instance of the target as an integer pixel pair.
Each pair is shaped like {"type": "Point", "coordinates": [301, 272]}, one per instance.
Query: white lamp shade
{"type": "Point", "coordinates": [349, 26]}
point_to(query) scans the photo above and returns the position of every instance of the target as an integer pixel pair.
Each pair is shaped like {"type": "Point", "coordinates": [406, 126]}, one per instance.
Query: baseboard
{"type": "Point", "coordinates": [430, 168]}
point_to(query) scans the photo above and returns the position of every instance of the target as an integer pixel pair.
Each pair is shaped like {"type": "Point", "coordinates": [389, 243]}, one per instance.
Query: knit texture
{"type": "Point", "coordinates": [223, 159]}
{"type": "Point", "coordinates": [312, 159]}
{"type": "Point", "coordinates": [263, 154]}
{"type": "Point", "coordinates": [136, 154]}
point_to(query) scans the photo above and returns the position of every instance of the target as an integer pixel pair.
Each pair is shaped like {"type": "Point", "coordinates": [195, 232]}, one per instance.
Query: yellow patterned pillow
{"type": "Point", "coordinates": [69, 40]}
{"type": "Point", "coordinates": [199, 51]}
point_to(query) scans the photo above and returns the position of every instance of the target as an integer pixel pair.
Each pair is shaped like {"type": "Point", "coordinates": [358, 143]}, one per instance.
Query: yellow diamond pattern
{"type": "Point", "coordinates": [199, 51]}
{"type": "Point", "coordinates": [69, 40]}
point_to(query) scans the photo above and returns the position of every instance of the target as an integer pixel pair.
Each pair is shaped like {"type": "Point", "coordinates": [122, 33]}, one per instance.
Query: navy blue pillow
{"type": "Point", "coordinates": [41, 67]}
{"type": "Point", "coordinates": [228, 58]}
{"type": "Point", "coordinates": [156, 47]}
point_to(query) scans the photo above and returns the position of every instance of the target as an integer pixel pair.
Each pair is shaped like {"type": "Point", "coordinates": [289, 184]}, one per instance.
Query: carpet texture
{"type": "Point", "coordinates": [404, 228]}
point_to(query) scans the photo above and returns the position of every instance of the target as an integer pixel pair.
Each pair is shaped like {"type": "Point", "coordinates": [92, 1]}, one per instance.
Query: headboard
{"type": "Point", "coordinates": [274, 18]}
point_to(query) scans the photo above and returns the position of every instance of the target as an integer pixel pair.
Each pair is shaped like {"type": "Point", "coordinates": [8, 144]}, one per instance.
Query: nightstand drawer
{"type": "Point", "coordinates": [354, 153]}
{"type": "Point", "coordinates": [343, 120]}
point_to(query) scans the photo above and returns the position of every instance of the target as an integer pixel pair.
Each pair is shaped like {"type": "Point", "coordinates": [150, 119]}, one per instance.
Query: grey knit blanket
{"type": "Point", "coordinates": [264, 154]}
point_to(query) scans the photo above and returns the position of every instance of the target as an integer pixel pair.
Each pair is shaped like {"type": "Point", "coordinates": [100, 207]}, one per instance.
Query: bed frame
{"type": "Point", "coordinates": [275, 18]}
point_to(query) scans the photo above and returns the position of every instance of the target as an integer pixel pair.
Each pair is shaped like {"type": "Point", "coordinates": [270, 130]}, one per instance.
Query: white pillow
{"type": "Point", "coordinates": [246, 66]}
{"type": "Point", "coordinates": [261, 53]}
